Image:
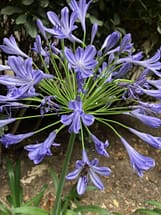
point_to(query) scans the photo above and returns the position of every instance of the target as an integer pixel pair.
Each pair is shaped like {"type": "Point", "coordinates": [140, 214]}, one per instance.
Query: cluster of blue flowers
{"type": "Point", "coordinates": [81, 84]}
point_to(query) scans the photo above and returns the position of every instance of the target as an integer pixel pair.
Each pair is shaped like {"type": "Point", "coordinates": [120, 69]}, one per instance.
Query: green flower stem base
{"type": "Point", "coordinates": [57, 206]}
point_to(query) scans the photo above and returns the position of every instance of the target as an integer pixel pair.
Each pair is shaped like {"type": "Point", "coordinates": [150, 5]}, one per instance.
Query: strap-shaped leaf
{"type": "Point", "coordinates": [94, 209]}
{"type": "Point", "coordinates": [30, 211]}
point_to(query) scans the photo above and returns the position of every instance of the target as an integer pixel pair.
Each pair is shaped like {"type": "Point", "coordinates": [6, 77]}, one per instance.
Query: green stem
{"type": "Point", "coordinates": [57, 206]}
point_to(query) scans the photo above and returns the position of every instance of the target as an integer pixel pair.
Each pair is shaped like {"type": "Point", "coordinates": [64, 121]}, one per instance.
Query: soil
{"type": "Point", "coordinates": [124, 190]}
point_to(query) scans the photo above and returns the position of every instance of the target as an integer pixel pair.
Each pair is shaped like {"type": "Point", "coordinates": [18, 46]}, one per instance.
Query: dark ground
{"type": "Point", "coordinates": [124, 190]}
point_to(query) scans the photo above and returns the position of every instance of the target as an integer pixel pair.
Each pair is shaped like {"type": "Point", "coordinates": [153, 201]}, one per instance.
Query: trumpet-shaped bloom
{"type": "Point", "coordinates": [37, 152]}
{"type": "Point", "coordinates": [88, 170]}
{"type": "Point", "coordinates": [83, 60]}
{"type": "Point", "coordinates": [100, 146]}
{"type": "Point", "coordinates": [147, 120]}
{"type": "Point", "coordinates": [22, 84]}
{"type": "Point", "coordinates": [10, 47]}
{"type": "Point", "coordinates": [74, 119]}
{"type": "Point", "coordinates": [148, 138]}
{"type": "Point", "coordinates": [153, 64]}
{"type": "Point", "coordinates": [63, 27]}
{"type": "Point", "coordinates": [81, 8]}
{"type": "Point", "coordinates": [10, 139]}
{"type": "Point", "coordinates": [4, 122]}
{"type": "Point", "coordinates": [138, 161]}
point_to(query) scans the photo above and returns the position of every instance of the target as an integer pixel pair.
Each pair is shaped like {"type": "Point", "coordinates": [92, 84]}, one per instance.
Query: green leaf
{"type": "Point", "coordinates": [27, 2]}
{"type": "Point", "coordinates": [91, 208]}
{"type": "Point", "coordinates": [152, 202]}
{"type": "Point", "coordinates": [9, 10]}
{"type": "Point", "coordinates": [44, 3]}
{"type": "Point", "coordinates": [146, 211]}
{"type": "Point", "coordinates": [36, 199]}
{"type": "Point", "coordinates": [55, 179]}
{"type": "Point", "coordinates": [4, 210]}
{"type": "Point", "coordinates": [70, 212]}
{"type": "Point", "coordinates": [30, 211]}
{"type": "Point", "coordinates": [21, 19]}
{"type": "Point", "coordinates": [31, 29]}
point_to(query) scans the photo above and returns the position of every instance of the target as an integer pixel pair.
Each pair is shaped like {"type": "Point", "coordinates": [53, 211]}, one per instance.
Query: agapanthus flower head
{"type": "Point", "coordinates": [83, 60]}
{"type": "Point", "coordinates": [11, 139]}
{"type": "Point", "coordinates": [37, 152]}
{"type": "Point", "coordinates": [139, 162]}
{"type": "Point", "coordinates": [81, 8]}
{"type": "Point", "coordinates": [87, 171]}
{"type": "Point", "coordinates": [10, 47]}
{"type": "Point", "coordinates": [76, 117]}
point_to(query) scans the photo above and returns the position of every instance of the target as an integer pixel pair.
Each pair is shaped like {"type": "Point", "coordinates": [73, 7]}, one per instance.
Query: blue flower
{"type": "Point", "coordinates": [148, 138]}
{"type": "Point", "coordinates": [10, 47]}
{"type": "Point", "coordinates": [74, 119]}
{"type": "Point", "coordinates": [37, 152]}
{"type": "Point", "coordinates": [22, 84]}
{"type": "Point", "coordinates": [81, 8]}
{"type": "Point", "coordinates": [88, 170]}
{"type": "Point", "coordinates": [83, 60]}
{"type": "Point", "coordinates": [10, 139]}
{"type": "Point", "coordinates": [100, 146]}
{"type": "Point", "coordinates": [147, 120]}
{"type": "Point", "coordinates": [153, 64]}
{"type": "Point", "coordinates": [62, 28]}
{"type": "Point", "coordinates": [4, 122]}
{"type": "Point", "coordinates": [138, 161]}
{"type": "Point", "coordinates": [111, 41]}
{"type": "Point", "coordinates": [94, 31]}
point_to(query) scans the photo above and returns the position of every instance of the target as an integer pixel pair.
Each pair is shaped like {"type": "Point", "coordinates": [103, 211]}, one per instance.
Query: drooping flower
{"type": "Point", "coordinates": [63, 27]}
{"type": "Point", "coordinates": [153, 64]}
{"type": "Point", "coordinates": [148, 138]}
{"type": "Point", "coordinates": [81, 8]}
{"type": "Point", "coordinates": [37, 152]}
{"type": "Point", "coordinates": [149, 107]}
{"type": "Point", "coordinates": [88, 170]}
{"type": "Point", "coordinates": [22, 83]}
{"type": "Point", "coordinates": [10, 139]}
{"type": "Point", "coordinates": [138, 161]}
{"type": "Point", "coordinates": [83, 60]}
{"type": "Point", "coordinates": [100, 146]}
{"type": "Point", "coordinates": [74, 119]}
{"type": "Point", "coordinates": [151, 121]}
{"type": "Point", "coordinates": [4, 122]}
{"type": "Point", "coordinates": [10, 47]}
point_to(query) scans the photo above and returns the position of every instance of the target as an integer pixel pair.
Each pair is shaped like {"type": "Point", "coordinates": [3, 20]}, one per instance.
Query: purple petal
{"type": "Point", "coordinates": [74, 174]}
{"type": "Point", "coordinates": [148, 138]}
{"type": "Point", "coordinates": [82, 185]}
{"type": "Point", "coordinates": [96, 180]}
{"type": "Point", "coordinates": [4, 122]}
{"type": "Point", "coordinates": [87, 119]}
{"type": "Point", "coordinates": [10, 139]}
{"type": "Point", "coordinates": [138, 161]}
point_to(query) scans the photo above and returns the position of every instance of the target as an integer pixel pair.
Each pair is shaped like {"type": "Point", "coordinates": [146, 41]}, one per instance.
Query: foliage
{"type": "Point", "coordinates": [155, 211]}
{"type": "Point", "coordinates": [14, 203]}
